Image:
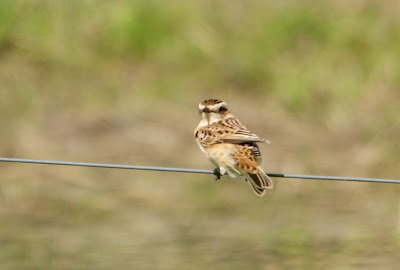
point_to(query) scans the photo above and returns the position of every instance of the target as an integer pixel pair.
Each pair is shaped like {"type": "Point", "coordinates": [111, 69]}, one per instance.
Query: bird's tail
{"type": "Point", "coordinates": [258, 181]}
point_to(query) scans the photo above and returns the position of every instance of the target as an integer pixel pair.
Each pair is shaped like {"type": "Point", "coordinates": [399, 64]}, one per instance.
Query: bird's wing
{"type": "Point", "coordinates": [229, 130]}
{"type": "Point", "coordinates": [256, 151]}
{"type": "Point", "coordinates": [236, 132]}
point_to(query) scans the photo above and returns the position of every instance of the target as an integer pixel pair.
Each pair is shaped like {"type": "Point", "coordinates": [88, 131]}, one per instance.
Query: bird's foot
{"type": "Point", "coordinates": [217, 173]}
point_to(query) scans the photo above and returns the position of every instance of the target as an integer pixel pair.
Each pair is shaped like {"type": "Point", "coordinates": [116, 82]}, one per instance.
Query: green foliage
{"type": "Point", "coordinates": [140, 29]}
{"type": "Point", "coordinates": [288, 51]}
{"type": "Point", "coordinates": [8, 15]}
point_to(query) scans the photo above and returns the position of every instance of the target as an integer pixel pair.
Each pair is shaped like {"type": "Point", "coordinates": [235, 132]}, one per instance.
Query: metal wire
{"type": "Point", "coordinates": [149, 168]}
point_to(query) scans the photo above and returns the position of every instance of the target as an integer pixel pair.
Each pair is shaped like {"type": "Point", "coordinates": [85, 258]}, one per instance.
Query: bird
{"type": "Point", "coordinates": [230, 146]}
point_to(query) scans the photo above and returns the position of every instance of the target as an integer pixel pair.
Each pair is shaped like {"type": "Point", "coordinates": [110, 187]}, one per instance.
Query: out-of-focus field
{"type": "Point", "coordinates": [120, 82]}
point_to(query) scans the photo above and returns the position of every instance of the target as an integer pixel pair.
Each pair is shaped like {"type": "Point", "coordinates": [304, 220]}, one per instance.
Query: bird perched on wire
{"type": "Point", "coordinates": [230, 146]}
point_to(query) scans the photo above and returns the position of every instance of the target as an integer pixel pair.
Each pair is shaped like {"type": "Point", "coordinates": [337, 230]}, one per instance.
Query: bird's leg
{"type": "Point", "coordinates": [217, 173]}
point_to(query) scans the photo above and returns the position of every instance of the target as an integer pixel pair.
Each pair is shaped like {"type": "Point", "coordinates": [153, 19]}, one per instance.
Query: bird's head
{"type": "Point", "coordinates": [213, 110]}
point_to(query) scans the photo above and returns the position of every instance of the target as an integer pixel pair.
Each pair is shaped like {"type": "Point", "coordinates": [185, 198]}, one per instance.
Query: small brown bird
{"type": "Point", "coordinates": [230, 146]}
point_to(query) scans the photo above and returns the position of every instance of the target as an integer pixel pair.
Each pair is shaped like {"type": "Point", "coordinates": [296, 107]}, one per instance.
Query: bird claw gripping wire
{"type": "Point", "coordinates": [217, 173]}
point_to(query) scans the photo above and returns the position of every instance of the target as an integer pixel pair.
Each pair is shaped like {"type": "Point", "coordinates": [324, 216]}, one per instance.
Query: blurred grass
{"type": "Point", "coordinates": [120, 81]}
{"type": "Point", "coordinates": [243, 46]}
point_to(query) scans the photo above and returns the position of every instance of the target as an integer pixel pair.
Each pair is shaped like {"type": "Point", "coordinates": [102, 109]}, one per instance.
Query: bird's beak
{"type": "Point", "coordinates": [206, 110]}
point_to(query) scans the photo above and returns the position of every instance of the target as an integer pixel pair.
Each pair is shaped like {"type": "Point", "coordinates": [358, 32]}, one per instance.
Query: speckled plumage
{"type": "Point", "coordinates": [230, 146]}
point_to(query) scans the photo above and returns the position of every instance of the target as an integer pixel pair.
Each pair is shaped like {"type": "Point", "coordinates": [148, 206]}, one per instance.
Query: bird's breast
{"type": "Point", "coordinates": [220, 153]}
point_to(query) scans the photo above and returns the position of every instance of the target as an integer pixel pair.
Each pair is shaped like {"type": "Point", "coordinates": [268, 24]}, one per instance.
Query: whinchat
{"type": "Point", "coordinates": [230, 146]}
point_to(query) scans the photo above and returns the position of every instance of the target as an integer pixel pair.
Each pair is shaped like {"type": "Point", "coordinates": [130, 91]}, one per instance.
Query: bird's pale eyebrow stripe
{"type": "Point", "coordinates": [215, 107]}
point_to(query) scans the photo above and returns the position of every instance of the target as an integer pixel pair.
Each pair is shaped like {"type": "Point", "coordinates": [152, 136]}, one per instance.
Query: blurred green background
{"type": "Point", "coordinates": [120, 82]}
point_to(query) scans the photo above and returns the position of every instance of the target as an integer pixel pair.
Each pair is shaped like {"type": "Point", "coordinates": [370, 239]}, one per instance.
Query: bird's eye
{"type": "Point", "coordinates": [221, 109]}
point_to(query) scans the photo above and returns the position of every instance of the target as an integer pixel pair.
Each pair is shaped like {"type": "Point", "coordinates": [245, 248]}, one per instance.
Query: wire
{"type": "Point", "coordinates": [148, 168]}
